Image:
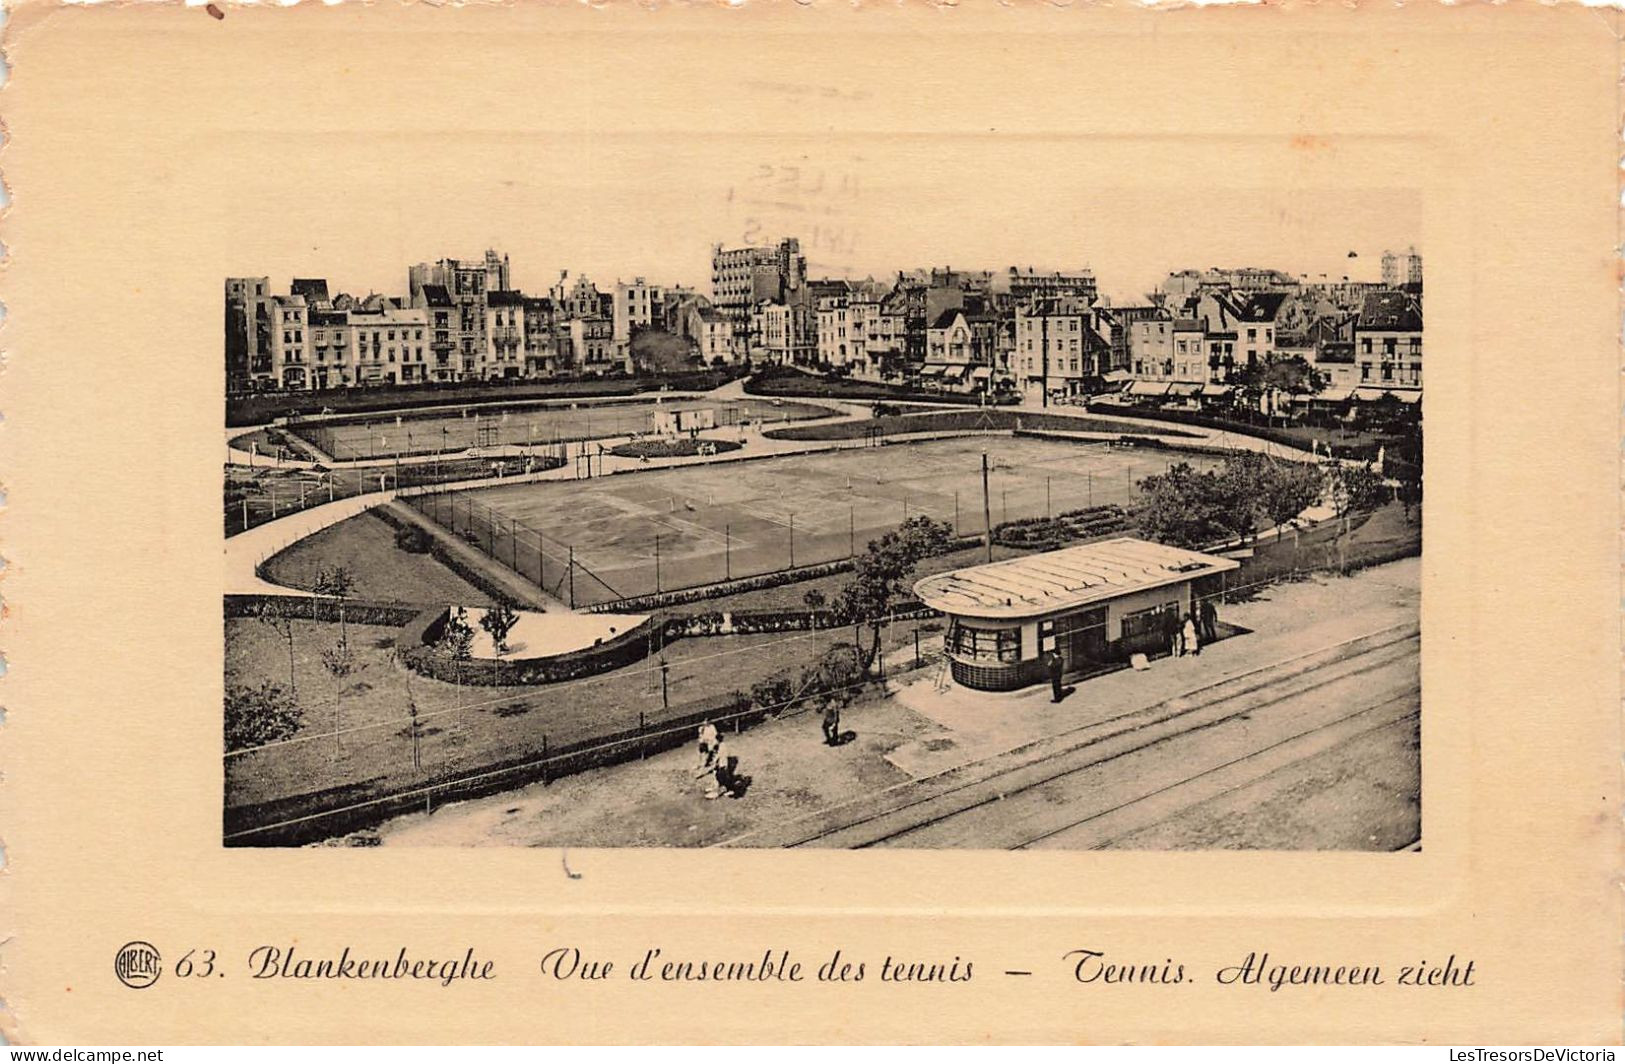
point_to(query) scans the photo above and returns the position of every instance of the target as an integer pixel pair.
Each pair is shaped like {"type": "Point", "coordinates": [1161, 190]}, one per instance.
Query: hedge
{"type": "Point", "coordinates": [792, 384]}
{"type": "Point", "coordinates": [321, 608]}
{"type": "Point", "coordinates": [634, 644]}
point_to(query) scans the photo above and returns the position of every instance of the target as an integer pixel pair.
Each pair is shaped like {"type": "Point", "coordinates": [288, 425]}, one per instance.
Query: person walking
{"type": "Point", "coordinates": [1055, 667]}
{"type": "Point", "coordinates": [1192, 642]}
{"type": "Point", "coordinates": [707, 768]}
{"type": "Point", "coordinates": [726, 769]}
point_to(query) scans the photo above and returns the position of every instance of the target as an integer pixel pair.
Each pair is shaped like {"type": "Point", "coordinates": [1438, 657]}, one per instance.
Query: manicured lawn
{"type": "Point", "coordinates": [365, 545]}
{"type": "Point", "coordinates": [467, 728]}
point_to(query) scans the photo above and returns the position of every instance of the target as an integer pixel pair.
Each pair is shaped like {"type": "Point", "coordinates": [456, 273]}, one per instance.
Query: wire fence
{"type": "Point", "coordinates": [704, 545]}
{"type": "Point", "coordinates": [384, 740]}
{"type": "Point", "coordinates": [260, 493]}
{"type": "Point", "coordinates": [383, 438]}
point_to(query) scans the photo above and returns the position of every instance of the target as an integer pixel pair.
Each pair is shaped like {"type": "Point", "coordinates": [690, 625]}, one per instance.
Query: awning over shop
{"type": "Point", "coordinates": [954, 372]}
{"type": "Point", "coordinates": [981, 373]}
{"type": "Point", "coordinates": [1366, 394]}
{"type": "Point", "coordinates": [1148, 388]}
{"type": "Point", "coordinates": [1334, 395]}
{"type": "Point", "coordinates": [1117, 376]}
{"type": "Point", "coordinates": [932, 371]}
{"type": "Point", "coordinates": [1184, 388]}
{"type": "Point", "coordinates": [1215, 390]}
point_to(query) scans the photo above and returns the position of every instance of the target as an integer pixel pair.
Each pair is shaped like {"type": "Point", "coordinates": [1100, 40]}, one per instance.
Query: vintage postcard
{"type": "Point", "coordinates": [897, 523]}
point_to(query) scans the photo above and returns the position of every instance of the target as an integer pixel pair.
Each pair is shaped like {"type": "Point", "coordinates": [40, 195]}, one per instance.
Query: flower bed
{"type": "Point", "coordinates": [682, 447]}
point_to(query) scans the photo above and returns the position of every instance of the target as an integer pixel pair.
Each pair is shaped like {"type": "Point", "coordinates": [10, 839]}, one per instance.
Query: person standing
{"type": "Point", "coordinates": [1055, 667]}
{"type": "Point", "coordinates": [1174, 633]}
{"type": "Point", "coordinates": [707, 768]}
{"type": "Point", "coordinates": [1210, 619]}
{"type": "Point", "coordinates": [832, 724]}
{"type": "Point", "coordinates": [1192, 642]}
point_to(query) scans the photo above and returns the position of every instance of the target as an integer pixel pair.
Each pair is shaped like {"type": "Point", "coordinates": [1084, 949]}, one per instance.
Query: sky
{"type": "Point", "coordinates": [616, 211]}
{"type": "Point", "coordinates": [626, 152]}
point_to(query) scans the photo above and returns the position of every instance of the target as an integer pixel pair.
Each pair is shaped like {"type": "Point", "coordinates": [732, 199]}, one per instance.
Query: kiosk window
{"type": "Point", "coordinates": [985, 644]}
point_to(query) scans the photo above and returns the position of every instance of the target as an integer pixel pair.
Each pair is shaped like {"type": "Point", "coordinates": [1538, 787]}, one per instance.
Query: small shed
{"type": "Point", "coordinates": [668, 422]}
{"type": "Point", "coordinates": [1095, 604]}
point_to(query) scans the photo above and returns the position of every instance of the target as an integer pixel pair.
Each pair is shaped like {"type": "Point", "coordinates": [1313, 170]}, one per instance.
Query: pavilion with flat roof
{"type": "Point", "coordinates": [1095, 604]}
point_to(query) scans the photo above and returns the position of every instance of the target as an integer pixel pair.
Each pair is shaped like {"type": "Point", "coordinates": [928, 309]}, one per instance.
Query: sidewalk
{"type": "Point", "coordinates": [981, 724]}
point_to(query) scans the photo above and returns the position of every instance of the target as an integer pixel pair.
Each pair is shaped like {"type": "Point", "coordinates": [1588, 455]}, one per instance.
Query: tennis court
{"type": "Point", "coordinates": [384, 436]}
{"type": "Point", "coordinates": [636, 533]}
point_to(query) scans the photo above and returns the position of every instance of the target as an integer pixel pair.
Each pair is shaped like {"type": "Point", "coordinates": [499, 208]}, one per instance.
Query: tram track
{"type": "Point", "coordinates": [903, 815]}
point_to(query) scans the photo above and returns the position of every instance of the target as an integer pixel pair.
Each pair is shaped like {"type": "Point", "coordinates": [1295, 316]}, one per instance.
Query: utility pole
{"type": "Point", "coordinates": [1043, 325]}
{"type": "Point", "coordinates": [572, 576]}
{"type": "Point", "coordinates": [657, 563]}
{"type": "Point", "coordinates": [727, 552]}
{"type": "Point", "coordinates": [792, 541]}
{"type": "Point", "coordinates": [987, 509]}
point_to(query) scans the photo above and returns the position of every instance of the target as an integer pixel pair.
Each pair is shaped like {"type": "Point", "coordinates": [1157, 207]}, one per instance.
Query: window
{"type": "Point", "coordinates": [985, 644]}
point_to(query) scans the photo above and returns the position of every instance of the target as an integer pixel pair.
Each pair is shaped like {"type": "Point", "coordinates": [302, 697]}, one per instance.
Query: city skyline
{"type": "Point", "coordinates": [619, 206]}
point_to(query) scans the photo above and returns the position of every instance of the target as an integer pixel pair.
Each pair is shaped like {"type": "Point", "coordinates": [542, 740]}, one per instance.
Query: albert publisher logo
{"type": "Point", "coordinates": [138, 965]}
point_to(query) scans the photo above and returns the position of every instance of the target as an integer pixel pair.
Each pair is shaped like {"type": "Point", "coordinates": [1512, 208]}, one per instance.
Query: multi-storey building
{"type": "Point", "coordinates": [285, 332]}
{"type": "Point", "coordinates": [389, 343]}
{"type": "Point", "coordinates": [1188, 350]}
{"type": "Point", "coordinates": [466, 283]}
{"type": "Point", "coordinates": [440, 314]}
{"type": "Point", "coordinates": [1388, 340]}
{"type": "Point", "coordinates": [711, 333]}
{"type": "Point", "coordinates": [636, 306]}
{"type": "Point", "coordinates": [592, 346]}
{"type": "Point", "coordinates": [742, 278]}
{"type": "Point", "coordinates": [332, 353]}
{"type": "Point", "coordinates": [1025, 285]}
{"type": "Point", "coordinates": [1149, 348]}
{"type": "Point", "coordinates": [248, 364]}
{"type": "Point", "coordinates": [1057, 347]}
{"type": "Point", "coordinates": [541, 342]}
{"type": "Point", "coordinates": [504, 354]}
{"type": "Point", "coordinates": [772, 333]}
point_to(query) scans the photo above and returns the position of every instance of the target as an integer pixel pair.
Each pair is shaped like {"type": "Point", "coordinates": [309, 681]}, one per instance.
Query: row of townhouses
{"type": "Point", "coordinates": [1044, 333]}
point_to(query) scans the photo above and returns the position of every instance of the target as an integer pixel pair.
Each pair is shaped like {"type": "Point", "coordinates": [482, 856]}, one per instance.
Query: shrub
{"type": "Point", "coordinates": [413, 540]}
{"type": "Point", "coordinates": [259, 715]}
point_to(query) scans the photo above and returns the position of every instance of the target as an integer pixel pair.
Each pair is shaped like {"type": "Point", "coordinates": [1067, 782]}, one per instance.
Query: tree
{"type": "Point", "coordinates": [1350, 487]}
{"type": "Point", "coordinates": [881, 574]}
{"type": "Point", "coordinates": [1184, 508]}
{"type": "Point", "coordinates": [456, 642]}
{"type": "Point", "coordinates": [498, 621]}
{"type": "Point", "coordinates": [337, 583]}
{"type": "Point", "coordinates": [277, 614]}
{"type": "Point", "coordinates": [815, 599]}
{"type": "Point", "coordinates": [259, 715]}
{"type": "Point", "coordinates": [340, 663]}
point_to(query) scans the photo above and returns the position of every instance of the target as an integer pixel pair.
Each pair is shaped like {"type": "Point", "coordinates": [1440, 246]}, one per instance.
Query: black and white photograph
{"type": "Point", "coordinates": [794, 527]}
